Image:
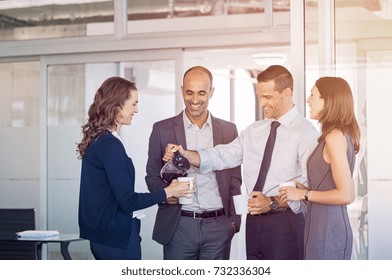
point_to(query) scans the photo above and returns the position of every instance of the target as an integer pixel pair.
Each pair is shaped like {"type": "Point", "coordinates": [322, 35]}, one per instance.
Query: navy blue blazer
{"type": "Point", "coordinates": [107, 194]}
{"type": "Point", "coordinates": [229, 181]}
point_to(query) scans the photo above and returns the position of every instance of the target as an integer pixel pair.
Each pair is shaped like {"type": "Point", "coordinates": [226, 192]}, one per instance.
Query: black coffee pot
{"type": "Point", "coordinates": [178, 166]}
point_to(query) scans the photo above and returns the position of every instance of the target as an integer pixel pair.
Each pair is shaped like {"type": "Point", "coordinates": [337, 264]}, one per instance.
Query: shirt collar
{"type": "Point", "coordinates": [289, 117]}
{"type": "Point", "coordinates": [188, 123]}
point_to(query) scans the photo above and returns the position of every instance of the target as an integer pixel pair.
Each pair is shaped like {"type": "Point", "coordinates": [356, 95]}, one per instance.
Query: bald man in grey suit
{"type": "Point", "coordinates": [205, 228]}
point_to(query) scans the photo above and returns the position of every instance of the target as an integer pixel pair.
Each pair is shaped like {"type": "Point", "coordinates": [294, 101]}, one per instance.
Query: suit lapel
{"type": "Point", "coordinates": [216, 131]}
{"type": "Point", "coordinates": [179, 130]}
{"type": "Point", "coordinates": [217, 139]}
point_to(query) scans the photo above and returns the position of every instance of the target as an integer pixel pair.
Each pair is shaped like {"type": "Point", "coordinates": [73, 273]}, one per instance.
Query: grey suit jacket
{"type": "Point", "coordinates": [229, 181]}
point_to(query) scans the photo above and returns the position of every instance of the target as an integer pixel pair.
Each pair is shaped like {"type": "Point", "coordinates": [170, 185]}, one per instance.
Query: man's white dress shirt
{"type": "Point", "coordinates": [296, 139]}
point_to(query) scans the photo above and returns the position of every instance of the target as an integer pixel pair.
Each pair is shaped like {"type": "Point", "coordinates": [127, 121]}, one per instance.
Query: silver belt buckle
{"type": "Point", "coordinates": [194, 216]}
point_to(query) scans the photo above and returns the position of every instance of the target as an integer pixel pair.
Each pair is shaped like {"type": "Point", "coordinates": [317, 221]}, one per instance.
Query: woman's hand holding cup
{"type": "Point", "coordinates": [179, 189]}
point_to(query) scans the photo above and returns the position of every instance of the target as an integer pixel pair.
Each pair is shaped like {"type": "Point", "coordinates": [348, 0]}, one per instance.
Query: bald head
{"type": "Point", "coordinates": [195, 69]}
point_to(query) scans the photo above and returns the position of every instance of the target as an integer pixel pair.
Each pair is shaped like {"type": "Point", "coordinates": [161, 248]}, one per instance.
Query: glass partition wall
{"type": "Point", "coordinates": [363, 56]}
{"type": "Point", "coordinates": [20, 129]}
{"type": "Point", "coordinates": [48, 85]}
{"type": "Point", "coordinates": [352, 40]}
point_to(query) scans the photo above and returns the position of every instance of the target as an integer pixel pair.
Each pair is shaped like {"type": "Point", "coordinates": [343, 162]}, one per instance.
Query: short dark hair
{"type": "Point", "coordinates": [282, 77]}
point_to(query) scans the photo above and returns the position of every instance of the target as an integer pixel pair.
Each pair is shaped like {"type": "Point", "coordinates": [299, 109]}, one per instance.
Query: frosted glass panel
{"type": "Point", "coordinates": [378, 103]}
{"type": "Point", "coordinates": [19, 98]}
{"type": "Point", "coordinates": [20, 136]}
{"type": "Point", "coordinates": [380, 226]}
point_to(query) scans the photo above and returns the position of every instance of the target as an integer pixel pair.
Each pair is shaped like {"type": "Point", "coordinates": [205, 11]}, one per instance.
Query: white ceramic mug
{"type": "Point", "coordinates": [241, 203]}
{"type": "Point", "coordinates": [288, 184]}
{"type": "Point", "coordinates": [183, 199]}
{"type": "Point", "coordinates": [294, 205]}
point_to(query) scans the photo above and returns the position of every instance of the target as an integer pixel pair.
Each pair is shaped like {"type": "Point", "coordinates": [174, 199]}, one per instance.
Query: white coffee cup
{"type": "Point", "coordinates": [183, 199]}
{"type": "Point", "coordinates": [241, 203]}
{"type": "Point", "coordinates": [294, 205]}
{"type": "Point", "coordinates": [287, 184]}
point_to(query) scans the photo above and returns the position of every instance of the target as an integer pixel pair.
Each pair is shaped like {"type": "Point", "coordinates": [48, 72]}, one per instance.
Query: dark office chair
{"type": "Point", "coordinates": [12, 221]}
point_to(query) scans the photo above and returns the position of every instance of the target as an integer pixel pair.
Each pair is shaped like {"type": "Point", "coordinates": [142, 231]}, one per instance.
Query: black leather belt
{"type": "Point", "coordinates": [272, 212]}
{"type": "Point", "coordinates": [203, 215]}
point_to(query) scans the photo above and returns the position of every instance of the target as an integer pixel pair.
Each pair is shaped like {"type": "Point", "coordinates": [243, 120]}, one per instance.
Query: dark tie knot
{"type": "Point", "coordinates": [275, 125]}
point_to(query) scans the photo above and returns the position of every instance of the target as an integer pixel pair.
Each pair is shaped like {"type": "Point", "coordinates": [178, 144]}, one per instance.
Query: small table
{"type": "Point", "coordinates": [62, 238]}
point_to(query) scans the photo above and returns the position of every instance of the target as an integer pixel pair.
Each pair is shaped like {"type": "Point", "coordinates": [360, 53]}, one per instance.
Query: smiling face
{"type": "Point", "coordinates": [316, 103]}
{"type": "Point", "coordinates": [275, 104]}
{"type": "Point", "coordinates": [127, 110]}
{"type": "Point", "coordinates": [197, 91]}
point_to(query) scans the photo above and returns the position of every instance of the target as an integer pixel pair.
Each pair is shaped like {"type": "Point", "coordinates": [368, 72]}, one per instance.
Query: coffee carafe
{"type": "Point", "coordinates": [178, 166]}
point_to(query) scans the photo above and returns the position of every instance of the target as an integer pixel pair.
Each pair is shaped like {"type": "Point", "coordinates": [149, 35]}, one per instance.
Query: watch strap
{"type": "Point", "coordinates": [306, 195]}
{"type": "Point", "coordinates": [274, 203]}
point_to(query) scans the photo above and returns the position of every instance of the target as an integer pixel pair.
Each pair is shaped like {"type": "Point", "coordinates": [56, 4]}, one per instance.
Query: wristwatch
{"type": "Point", "coordinates": [273, 204]}
{"type": "Point", "coordinates": [306, 195]}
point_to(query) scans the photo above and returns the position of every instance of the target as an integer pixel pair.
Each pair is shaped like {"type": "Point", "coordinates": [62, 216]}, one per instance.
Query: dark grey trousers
{"type": "Point", "coordinates": [200, 239]}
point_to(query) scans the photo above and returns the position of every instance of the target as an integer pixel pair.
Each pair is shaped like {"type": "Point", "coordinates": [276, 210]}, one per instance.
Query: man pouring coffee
{"type": "Point", "coordinates": [204, 228]}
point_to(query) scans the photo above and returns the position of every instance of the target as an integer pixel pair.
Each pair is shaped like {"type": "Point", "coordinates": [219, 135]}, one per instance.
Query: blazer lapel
{"type": "Point", "coordinates": [179, 130]}
{"type": "Point", "coordinates": [216, 131]}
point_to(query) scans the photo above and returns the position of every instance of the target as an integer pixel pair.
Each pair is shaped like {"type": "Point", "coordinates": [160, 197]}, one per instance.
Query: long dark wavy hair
{"type": "Point", "coordinates": [108, 100]}
{"type": "Point", "coordinates": [338, 112]}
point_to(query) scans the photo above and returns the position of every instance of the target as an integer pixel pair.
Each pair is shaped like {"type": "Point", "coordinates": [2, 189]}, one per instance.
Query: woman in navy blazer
{"type": "Point", "coordinates": [107, 197]}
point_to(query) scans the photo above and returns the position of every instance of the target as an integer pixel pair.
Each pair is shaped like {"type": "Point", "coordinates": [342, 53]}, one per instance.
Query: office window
{"type": "Point", "coordinates": [26, 20]}
{"type": "Point", "coordinates": [363, 57]}
{"type": "Point", "coordinates": [153, 9]}
{"type": "Point", "coordinates": [20, 135]}
{"type": "Point", "coordinates": [71, 89]}
{"type": "Point", "coordinates": [19, 96]}
{"type": "Point", "coordinates": [155, 16]}
{"type": "Point", "coordinates": [66, 98]}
